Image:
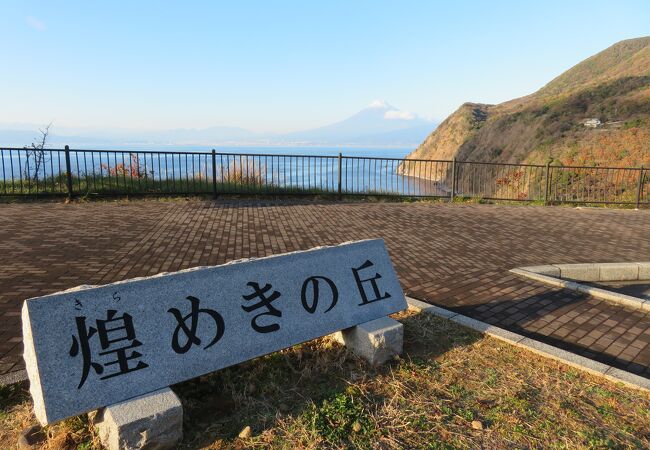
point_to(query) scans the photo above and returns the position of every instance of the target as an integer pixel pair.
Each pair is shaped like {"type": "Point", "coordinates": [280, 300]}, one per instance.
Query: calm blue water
{"type": "Point", "coordinates": [377, 152]}
{"type": "Point", "coordinates": [304, 167]}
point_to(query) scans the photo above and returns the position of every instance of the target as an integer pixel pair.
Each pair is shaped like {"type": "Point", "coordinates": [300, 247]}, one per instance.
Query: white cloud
{"type": "Point", "coordinates": [35, 23]}
{"type": "Point", "coordinates": [398, 115]}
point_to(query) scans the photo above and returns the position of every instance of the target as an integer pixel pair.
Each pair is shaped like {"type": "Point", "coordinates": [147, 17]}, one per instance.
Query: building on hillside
{"type": "Point", "coordinates": [592, 123]}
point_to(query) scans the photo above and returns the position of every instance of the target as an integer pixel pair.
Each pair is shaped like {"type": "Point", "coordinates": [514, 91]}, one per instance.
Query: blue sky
{"type": "Point", "coordinates": [286, 65]}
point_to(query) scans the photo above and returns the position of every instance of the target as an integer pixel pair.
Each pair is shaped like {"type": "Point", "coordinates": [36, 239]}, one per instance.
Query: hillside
{"type": "Point", "coordinates": [612, 88]}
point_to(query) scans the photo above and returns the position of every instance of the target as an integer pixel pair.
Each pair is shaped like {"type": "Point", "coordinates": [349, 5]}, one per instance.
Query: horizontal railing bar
{"type": "Point", "coordinates": [155, 152]}
{"type": "Point", "coordinates": [558, 201]}
{"type": "Point", "coordinates": [325, 193]}
{"type": "Point", "coordinates": [275, 155]}
{"type": "Point", "coordinates": [85, 150]}
{"type": "Point", "coordinates": [287, 155]}
{"type": "Point", "coordinates": [487, 163]}
{"type": "Point", "coordinates": [596, 167]}
{"type": "Point", "coordinates": [396, 159]}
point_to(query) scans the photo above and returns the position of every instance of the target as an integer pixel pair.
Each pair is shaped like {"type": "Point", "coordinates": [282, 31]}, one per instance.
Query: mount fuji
{"type": "Point", "coordinates": [379, 123]}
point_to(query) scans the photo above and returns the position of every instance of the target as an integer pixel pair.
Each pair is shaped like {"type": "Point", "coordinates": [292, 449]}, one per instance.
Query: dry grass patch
{"type": "Point", "coordinates": [16, 414]}
{"type": "Point", "coordinates": [453, 388]}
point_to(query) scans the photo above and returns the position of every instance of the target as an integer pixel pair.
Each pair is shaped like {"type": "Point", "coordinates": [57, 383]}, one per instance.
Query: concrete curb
{"type": "Point", "coordinates": [540, 348]}
{"type": "Point", "coordinates": [539, 273]}
{"type": "Point", "coordinates": [620, 271]}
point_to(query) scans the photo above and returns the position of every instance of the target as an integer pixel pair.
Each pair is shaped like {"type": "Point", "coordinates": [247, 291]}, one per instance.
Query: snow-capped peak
{"type": "Point", "coordinates": [379, 104]}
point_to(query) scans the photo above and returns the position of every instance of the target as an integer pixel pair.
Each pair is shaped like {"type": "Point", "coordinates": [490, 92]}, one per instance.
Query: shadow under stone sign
{"type": "Point", "coordinates": [89, 347]}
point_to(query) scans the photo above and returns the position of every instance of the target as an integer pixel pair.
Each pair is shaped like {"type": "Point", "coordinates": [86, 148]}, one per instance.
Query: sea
{"type": "Point", "coordinates": [375, 152]}
{"type": "Point", "coordinates": [364, 169]}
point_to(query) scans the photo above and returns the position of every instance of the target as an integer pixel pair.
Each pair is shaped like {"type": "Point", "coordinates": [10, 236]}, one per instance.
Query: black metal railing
{"type": "Point", "coordinates": [75, 173]}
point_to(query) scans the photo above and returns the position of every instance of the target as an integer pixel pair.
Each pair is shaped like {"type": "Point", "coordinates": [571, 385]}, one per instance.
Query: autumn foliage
{"type": "Point", "coordinates": [131, 169]}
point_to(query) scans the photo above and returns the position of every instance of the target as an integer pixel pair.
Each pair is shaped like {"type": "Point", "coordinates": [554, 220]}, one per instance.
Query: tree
{"type": "Point", "coordinates": [36, 153]}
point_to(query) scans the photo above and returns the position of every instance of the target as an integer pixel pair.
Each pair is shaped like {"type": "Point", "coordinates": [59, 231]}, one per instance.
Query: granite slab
{"type": "Point", "coordinates": [90, 347]}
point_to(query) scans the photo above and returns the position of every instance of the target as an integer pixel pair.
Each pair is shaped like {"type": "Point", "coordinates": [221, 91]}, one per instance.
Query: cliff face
{"type": "Point", "coordinates": [596, 113]}
{"type": "Point", "coordinates": [443, 144]}
{"type": "Point", "coordinates": [454, 132]}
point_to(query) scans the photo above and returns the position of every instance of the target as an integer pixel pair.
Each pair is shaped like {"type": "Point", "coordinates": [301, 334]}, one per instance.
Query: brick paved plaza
{"type": "Point", "coordinates": [455, 256]}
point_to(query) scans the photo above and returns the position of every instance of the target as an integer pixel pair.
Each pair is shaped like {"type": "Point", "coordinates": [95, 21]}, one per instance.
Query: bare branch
{"type": "Point", "coordinates": [37, 153]}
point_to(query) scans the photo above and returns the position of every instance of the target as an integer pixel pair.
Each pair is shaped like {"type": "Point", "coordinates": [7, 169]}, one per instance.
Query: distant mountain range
{"type": "Point", "coordinates": [596, 113]}
{"type": "Point", "coordinates": [379, 124]}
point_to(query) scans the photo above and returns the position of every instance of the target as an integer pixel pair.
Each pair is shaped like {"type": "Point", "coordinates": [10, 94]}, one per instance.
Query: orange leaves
{"type": "Point", "coordinates": [513, 183]}
{"type": "Point", "coordinates": [131, 169]}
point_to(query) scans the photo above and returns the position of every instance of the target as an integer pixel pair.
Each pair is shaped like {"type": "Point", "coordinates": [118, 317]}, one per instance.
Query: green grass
{"type": "Point", "coordinates": [127, 185]}
{"type": "Point", "coordinates": [121, 186]}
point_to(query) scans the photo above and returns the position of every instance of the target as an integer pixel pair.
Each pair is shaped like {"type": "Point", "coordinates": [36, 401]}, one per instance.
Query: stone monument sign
{"type": "Point", "coordinates": [91, 347]}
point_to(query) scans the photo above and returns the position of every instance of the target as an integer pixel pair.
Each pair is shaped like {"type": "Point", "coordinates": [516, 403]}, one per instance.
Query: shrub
{"type": "Point", "coordinates": [244, 171]}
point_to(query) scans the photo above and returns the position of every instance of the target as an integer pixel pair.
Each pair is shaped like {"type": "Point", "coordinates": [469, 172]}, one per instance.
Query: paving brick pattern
{"type": "Point", "coordinates": [455, 256]}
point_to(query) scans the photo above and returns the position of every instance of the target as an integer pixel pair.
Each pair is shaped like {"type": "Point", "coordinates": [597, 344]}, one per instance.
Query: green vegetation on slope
{"type": "Point", "coordinates": [612, 87]}
{"type": "Point", "coordinates": [627, 58]}
{"type": "Point", "coordinates": [553, 129]}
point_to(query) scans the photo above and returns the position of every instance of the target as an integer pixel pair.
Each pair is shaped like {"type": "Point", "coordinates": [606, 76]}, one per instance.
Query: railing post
{"type": "Point", "coordinates": [68, 172]}
{"type": "Point", "coordinates": [340, 176]}
{"type": "Point", "coordinates": [639, 188]}
{"type": "Point", "coordinates": [453, 180]}
{"type": "Point", "coordinates": [548, 182]}
{"type": "Point", "coordinates": [214, 173]}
